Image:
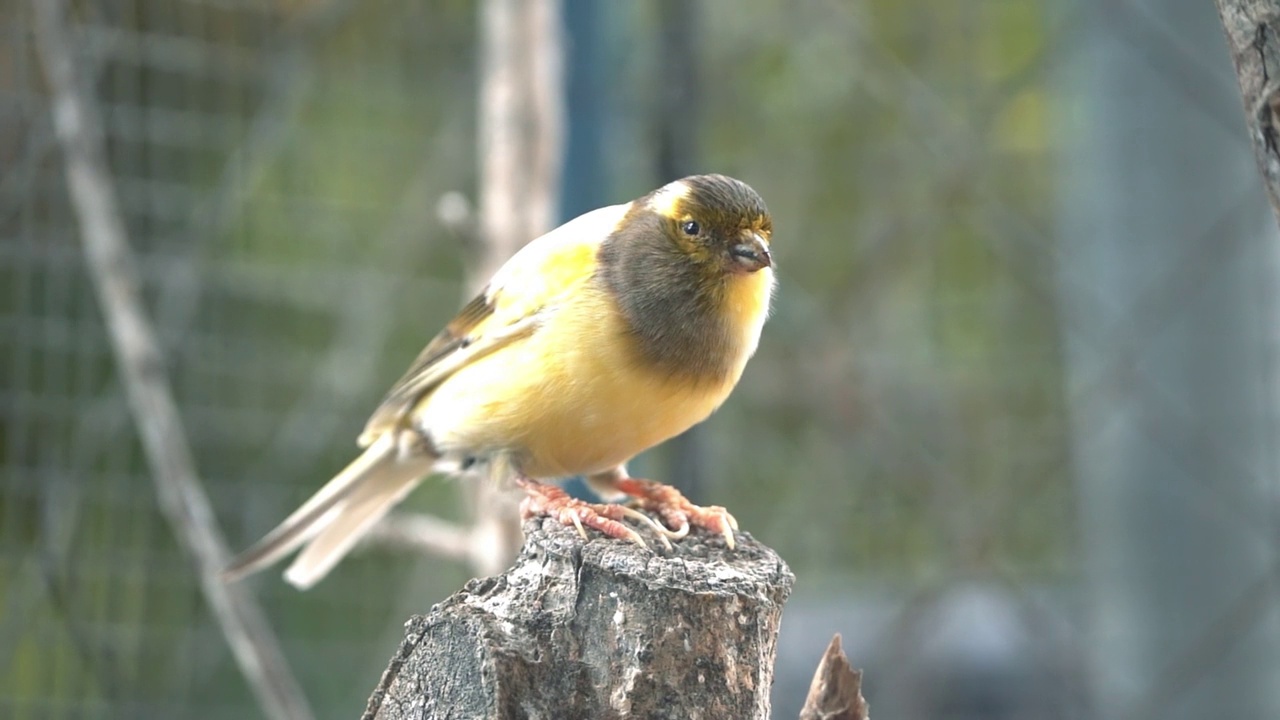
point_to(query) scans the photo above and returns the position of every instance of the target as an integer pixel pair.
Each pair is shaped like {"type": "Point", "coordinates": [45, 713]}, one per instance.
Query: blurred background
{"type": "Point", "coordinates": [1013, 423]}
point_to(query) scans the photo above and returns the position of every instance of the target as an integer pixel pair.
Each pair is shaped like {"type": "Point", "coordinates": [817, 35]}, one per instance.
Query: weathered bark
{"type": "Point", "coordinates": [597, 629]}
{"type": "Point", "coordinates": [836, 690]}
{"type": "Point", "coordinates": [1253, 33]}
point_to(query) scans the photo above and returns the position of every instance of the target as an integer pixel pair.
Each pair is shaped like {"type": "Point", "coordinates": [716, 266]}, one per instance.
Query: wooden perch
{"type": "Point", "coordinates": [597, 629]}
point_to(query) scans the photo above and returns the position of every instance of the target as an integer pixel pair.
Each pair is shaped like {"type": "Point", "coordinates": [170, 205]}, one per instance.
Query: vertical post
{"type": "Point", "coordinates": [1167, 274]}
{"type": "Point", "coordinates": [521, 125]}
{"type": "Point", "coordinates": [676, 123]}
{"type": "Point", "coordinates": [521, 134]}
{"type": "Point", "coordinates": [585, 184]}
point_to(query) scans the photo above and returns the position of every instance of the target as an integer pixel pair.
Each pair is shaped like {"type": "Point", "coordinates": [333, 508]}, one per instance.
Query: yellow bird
{"type": "Point", "coordinates": [608, 335]}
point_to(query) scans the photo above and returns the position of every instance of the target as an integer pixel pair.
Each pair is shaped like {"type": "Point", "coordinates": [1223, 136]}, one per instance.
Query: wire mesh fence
{"type": "Point", "coordinates": [1012, 415]}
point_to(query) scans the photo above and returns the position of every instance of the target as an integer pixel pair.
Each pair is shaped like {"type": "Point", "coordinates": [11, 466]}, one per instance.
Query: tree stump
{"type": "Point", "coordinates": [597, 629]}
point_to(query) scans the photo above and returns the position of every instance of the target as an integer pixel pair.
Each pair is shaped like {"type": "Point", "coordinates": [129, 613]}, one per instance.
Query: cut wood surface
{"type": "Point", "coordinates": [597, 629]}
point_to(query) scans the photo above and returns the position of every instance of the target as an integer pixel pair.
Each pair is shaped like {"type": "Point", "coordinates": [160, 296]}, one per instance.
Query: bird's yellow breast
{"type": "Point", "coordinates": [573, 398]}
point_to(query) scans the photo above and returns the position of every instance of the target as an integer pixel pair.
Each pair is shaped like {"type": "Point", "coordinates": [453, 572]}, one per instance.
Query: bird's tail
{"type": "Point", "coordinates": [331, 521]}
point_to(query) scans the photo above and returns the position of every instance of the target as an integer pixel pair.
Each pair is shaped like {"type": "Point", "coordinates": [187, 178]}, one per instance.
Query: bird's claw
{"type": "Point", "coordinates": [677, 512]}
{"type": "Point", "coordinates": [554, 502]}
{"type": "Point", "coordinates": [654, 525]}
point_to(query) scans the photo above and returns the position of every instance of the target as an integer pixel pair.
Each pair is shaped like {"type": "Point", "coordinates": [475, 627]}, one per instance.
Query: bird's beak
{"type": "Point", "coordinates": [751, 254]}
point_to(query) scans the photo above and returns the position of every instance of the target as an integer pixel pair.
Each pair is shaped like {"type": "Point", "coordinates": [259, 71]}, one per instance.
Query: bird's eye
{"type": "Point", "coordinates": [690, 228]}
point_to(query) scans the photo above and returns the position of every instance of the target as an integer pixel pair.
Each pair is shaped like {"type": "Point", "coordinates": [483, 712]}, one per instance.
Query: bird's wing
{"type": "Point", "coordinates": [510, 308]}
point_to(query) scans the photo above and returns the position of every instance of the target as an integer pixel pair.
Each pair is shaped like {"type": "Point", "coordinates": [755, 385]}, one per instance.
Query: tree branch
{"type": "Point", "coordinates": [836, 690]}
{"type": "Point", "coordinates": [1253, 34]}
{"type": "Point", "coordinates": [142, 371]}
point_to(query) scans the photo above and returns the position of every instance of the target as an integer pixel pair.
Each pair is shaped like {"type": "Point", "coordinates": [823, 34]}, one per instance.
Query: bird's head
{"type": "Point", "coordinates": [716, 220]}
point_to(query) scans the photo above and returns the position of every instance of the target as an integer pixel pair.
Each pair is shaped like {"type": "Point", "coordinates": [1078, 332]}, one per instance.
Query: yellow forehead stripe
{"type": "Point", "coordinates": [666, 201]}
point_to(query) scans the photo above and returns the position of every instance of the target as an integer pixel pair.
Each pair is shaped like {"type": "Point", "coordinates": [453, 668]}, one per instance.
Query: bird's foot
{"type": "Point", "coordinates": [676, 510]}
{"type": "Point", "coordinates": [554, 502]}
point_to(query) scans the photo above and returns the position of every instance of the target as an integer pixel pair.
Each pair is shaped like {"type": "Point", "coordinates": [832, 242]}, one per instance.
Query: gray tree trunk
{"type": "Point", "coordinates": [1168, 267]}
{"type": "Point", "coordinates": [601, 629]}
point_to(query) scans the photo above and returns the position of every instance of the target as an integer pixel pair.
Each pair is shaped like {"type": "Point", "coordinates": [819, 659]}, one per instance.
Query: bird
{"type": "Point", "coordinates": [606, 336]}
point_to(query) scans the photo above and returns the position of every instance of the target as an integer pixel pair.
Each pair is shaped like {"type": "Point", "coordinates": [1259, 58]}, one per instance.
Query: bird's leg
{"type": "Point", "coordinates": [669, 503]}
{"type": "Point", "coordinates": [553, 501]}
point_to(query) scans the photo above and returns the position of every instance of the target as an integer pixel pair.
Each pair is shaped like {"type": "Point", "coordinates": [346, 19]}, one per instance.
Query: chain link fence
{"type": "Point", "coordinates": [1012, 424]}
